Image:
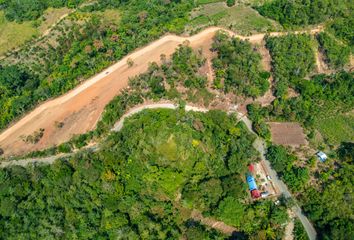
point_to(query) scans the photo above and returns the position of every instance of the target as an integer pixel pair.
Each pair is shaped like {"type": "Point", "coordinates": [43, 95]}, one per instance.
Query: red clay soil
{"type": "Point", "coordinates": [287, 134]}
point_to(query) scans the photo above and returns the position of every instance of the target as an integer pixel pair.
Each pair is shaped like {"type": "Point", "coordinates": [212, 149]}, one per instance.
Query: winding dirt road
{"type": "Point", "coordinates": [81, 108]}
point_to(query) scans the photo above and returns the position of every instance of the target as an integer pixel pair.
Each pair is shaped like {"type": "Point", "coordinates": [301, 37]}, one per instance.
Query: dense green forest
{"type": "Point", "coordinates": [21, 10]}
{"type": "Point", "coordinates": [292, 58]}
{"type": "Point", "coordinates": [237, 67]}
{"type": "Point", "coordinates": [303, 12]}
{"type": "Point", "coordinates": [86, 51]}
{"type": "Point", "coordinates": [337, 54]}
{"type": "Point", "coordinates": [143, 184]}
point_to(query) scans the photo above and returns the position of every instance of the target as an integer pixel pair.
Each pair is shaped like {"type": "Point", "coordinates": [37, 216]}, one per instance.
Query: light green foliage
{"type": "Point", "coordinates": [342, 28]}
{"type": "Point", "coordinates": [337, 54]}
{"type": "Point", "coordinates": [336, 129]}
{"type": "Point", "coordinates": [239, 18]}
{"type": "Point", "coordinates": [292, 57]}
{"type": "Point", "coordinates": [14, 34]}
{"type": "Point", "coordinates": [238, 65]}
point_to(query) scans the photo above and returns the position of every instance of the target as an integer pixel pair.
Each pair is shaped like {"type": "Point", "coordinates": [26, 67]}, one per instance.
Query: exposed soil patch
{"type": "Point", "coordinates": [287, 133]}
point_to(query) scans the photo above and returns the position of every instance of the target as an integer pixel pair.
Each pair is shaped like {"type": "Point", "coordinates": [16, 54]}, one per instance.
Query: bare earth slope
{"type": "Point", "coordinates": [80, 109]}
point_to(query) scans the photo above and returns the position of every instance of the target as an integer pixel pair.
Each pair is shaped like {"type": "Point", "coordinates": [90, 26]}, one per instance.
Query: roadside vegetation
{"type": "Point", "coordinates": [144, 182]}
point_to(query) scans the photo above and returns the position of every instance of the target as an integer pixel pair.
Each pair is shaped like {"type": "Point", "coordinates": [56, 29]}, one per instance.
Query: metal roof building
{"type": "Point", "coordinates": [251, 183]}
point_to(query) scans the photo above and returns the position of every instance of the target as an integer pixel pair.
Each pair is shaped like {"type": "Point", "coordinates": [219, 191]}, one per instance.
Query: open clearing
{"type": "Point", "coordinates": [239, 18]}
{"type": "Point", "coordinates": [287, 133]}
{"type": "Point", "coordinates": [80, 109]}
{"type": "Point", "coordinates": [337, 129]}
{"type": "Point", "coordinates": [13, 34]}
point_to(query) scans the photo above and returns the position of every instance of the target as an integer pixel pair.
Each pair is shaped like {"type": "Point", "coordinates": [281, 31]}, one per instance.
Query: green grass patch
{"type": "Point", "coordinates": [240, 18]}
{"type": "Point", "coordinates": [336, 129]}
{"type": "Point", "coordinates": [14, 34]}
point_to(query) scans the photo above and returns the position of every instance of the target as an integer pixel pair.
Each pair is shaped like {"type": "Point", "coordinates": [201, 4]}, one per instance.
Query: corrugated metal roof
{"type": "Point", "coordinates": [251, 183]}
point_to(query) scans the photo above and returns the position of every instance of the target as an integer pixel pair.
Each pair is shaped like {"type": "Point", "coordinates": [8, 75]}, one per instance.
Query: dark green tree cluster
{"type": "Point", "coordinates": [303, 12]}
{"type": "Point", "coordinates": [16, 94]}
{"type": "Point", "coordinates": [139, 184]}
{"type": "Point", "coordinates": [292, 58]}
{"type": "Point", "coordinates": [22, 10]}
{"type": "Point", "coordinates": [237, 67]}
{"type": "Point", "coordinates": [331, 207]}
{"type": "Point", "coordinates": [284, 163]}
{"type": "Point", "coordinates": [337, 55]}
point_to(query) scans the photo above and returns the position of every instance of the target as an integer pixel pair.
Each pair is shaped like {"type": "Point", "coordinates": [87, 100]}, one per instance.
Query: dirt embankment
{"type": "Point", "coordinates": [80, 109]}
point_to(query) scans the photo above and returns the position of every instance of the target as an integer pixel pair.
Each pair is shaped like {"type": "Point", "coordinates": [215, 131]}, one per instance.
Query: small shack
{"type": "Point", "coordinates": [321, 156]}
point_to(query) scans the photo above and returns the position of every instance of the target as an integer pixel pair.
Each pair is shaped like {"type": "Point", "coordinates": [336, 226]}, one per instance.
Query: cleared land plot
{"type": "Point", "coordinates": [241, 19]}
{"type": "Point", "coordinates": [336, 129]}
{"type": "Point", "coordinates": [13, 34]}
{"type": "Point", "coordinates": [287, 133]}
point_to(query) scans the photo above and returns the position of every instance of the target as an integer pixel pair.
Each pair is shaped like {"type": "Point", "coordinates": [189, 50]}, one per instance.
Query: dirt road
{"type": "Point", "coordinates": [80, 109]}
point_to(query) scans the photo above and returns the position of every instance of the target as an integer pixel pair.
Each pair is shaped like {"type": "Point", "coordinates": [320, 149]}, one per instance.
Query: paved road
{"type": "Point", "coordinates": [259, 144]}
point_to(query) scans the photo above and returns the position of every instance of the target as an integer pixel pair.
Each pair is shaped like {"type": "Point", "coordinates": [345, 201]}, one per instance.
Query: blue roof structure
{"type": "Point", "coordinates": [251, 183]}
